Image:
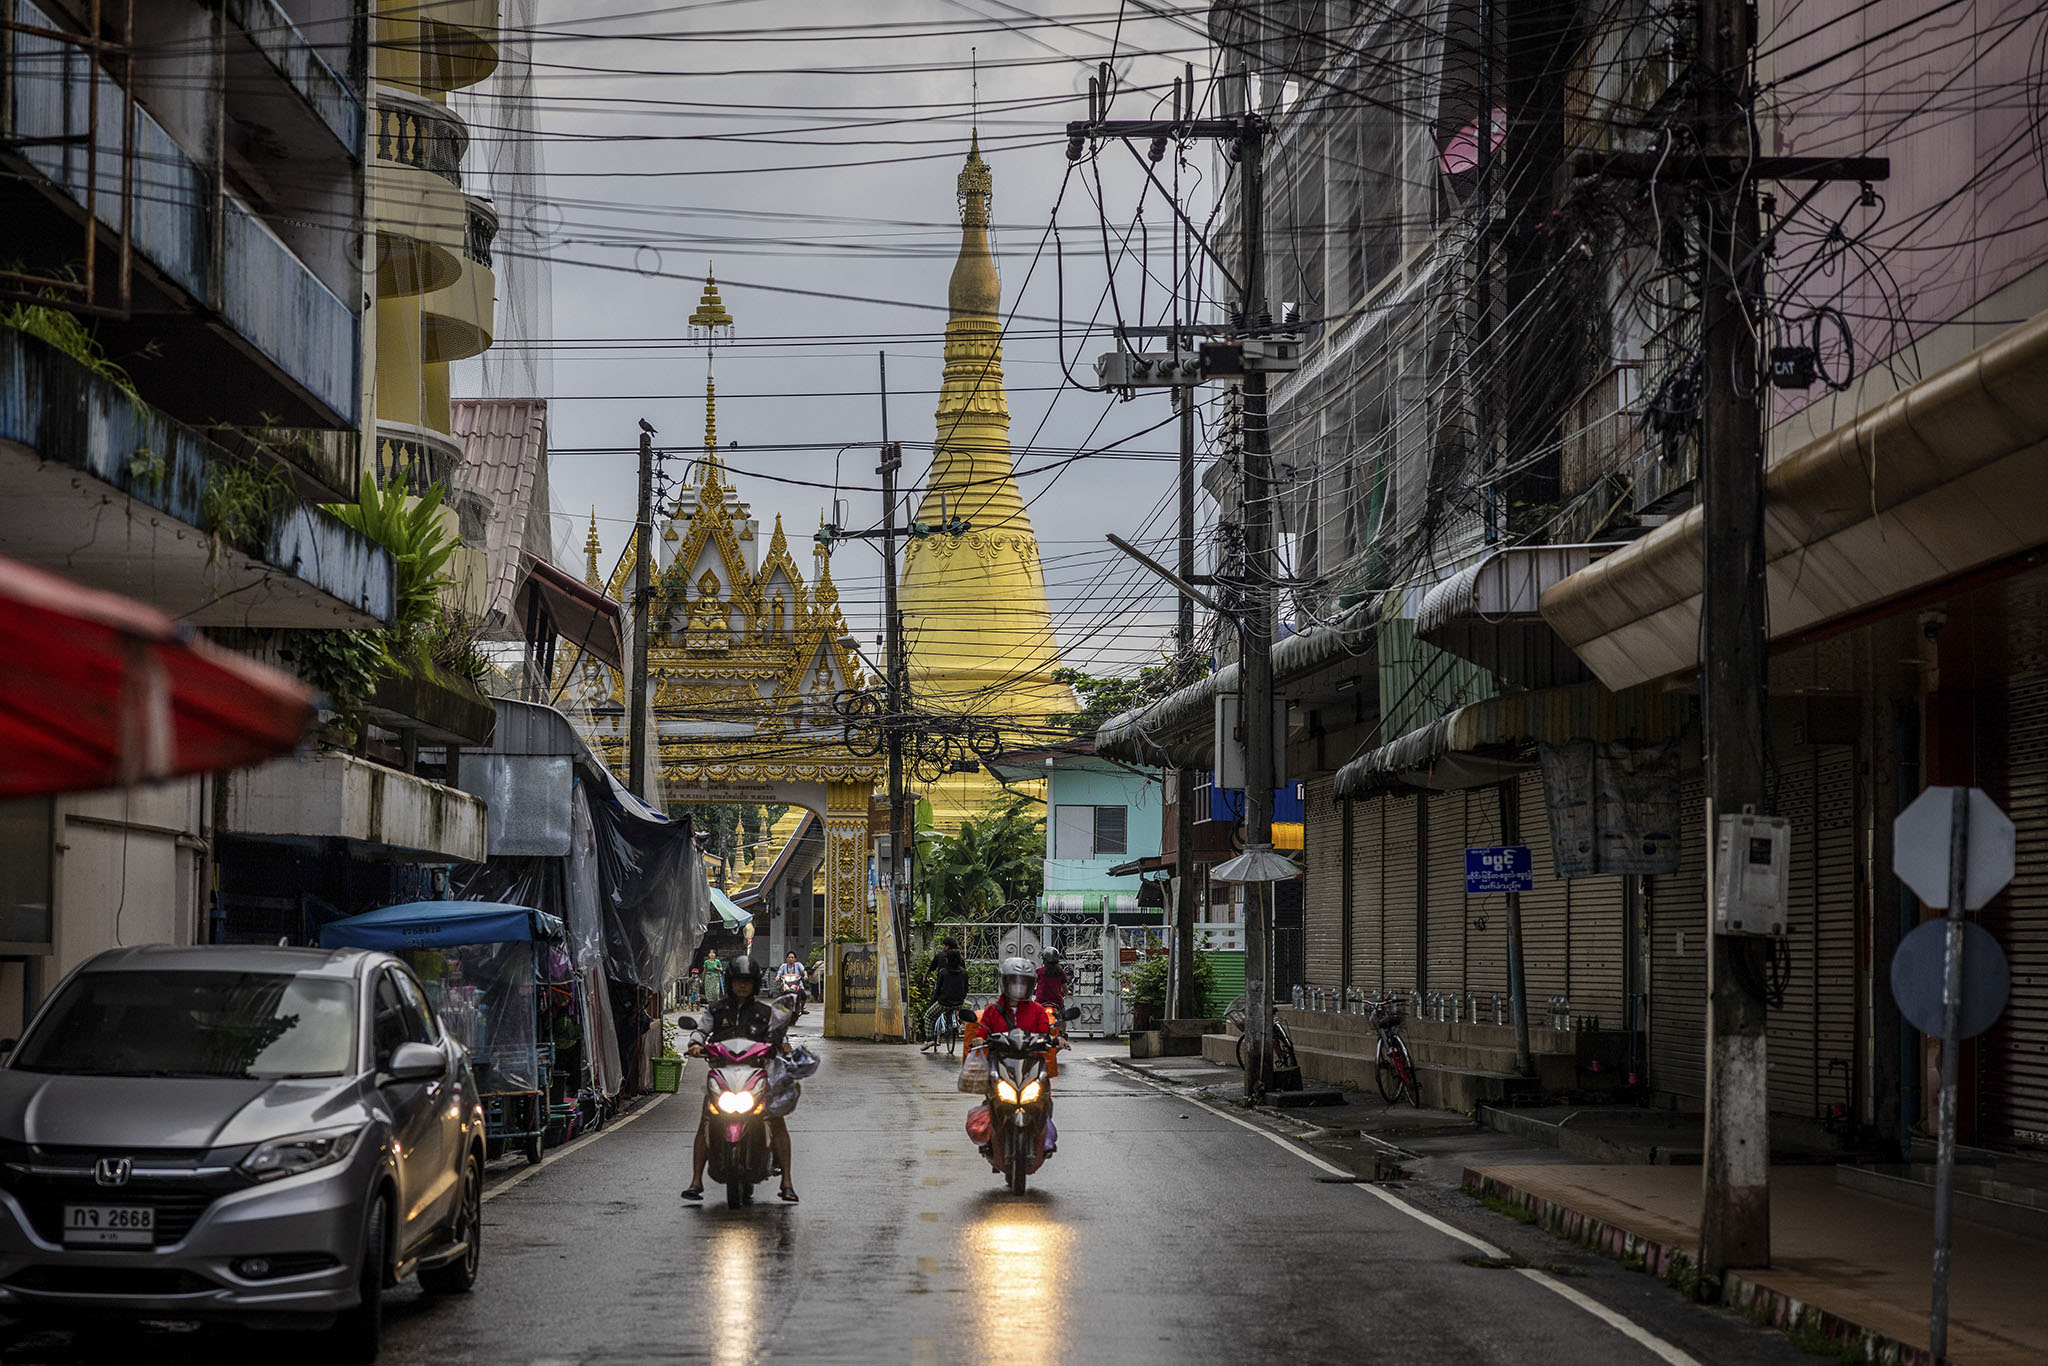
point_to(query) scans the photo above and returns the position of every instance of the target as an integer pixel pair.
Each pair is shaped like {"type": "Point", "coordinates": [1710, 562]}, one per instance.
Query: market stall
{"type": "Point", "coordinates": [486, 967]}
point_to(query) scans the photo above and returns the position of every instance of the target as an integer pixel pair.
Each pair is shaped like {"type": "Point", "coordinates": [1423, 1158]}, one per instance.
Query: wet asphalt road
{"type": "Point", "coordinates": [1160, 1232]}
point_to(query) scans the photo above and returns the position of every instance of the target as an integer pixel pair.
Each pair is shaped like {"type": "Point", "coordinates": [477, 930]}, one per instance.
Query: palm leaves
{"type": "Point", "coordinates": [992, 863]}
{"type": "Point", "coordinates": [420, 547]}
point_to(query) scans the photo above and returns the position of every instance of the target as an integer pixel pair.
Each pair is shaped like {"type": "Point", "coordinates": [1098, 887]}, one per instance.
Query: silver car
{"type": "Point", "coordinates": [270, 1135]}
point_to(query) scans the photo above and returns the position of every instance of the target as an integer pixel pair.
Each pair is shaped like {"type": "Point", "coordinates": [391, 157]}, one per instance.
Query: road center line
{"type": "Point", "coordinates": [549, 1159]}
{"type": "Point", "coordinates": [1621, 1323]}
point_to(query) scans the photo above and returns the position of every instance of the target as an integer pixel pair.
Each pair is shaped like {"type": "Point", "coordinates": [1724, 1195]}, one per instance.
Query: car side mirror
{"type": "Point", "coordinates": [415, 1062]}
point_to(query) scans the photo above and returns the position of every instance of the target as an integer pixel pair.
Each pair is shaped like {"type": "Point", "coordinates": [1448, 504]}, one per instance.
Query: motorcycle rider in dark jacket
{"type": "Point", "coordinates": [741, 1014]}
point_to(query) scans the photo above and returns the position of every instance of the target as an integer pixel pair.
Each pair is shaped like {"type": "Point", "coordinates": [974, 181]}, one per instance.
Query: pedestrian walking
{"type": "Point", "coordinates": [714, 976]}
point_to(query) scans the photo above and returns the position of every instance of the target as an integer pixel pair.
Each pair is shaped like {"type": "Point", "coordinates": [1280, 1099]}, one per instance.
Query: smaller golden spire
{"type": "Point", "coordinates": [590, 551]}
{"type": "Point", "coordinates": [710, 417]}
{"type": "Point", "coordinates": [710, 312]}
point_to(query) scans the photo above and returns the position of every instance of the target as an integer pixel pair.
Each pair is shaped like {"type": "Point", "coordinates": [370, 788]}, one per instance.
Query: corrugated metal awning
{"type": "Point", "coordinates": [1489, 613]}
{"type": "Point", "coordinates": [1948, 476]}
{"type": "Point", "coordinates": [1488, 741]}
{"type": "Point", "coordinates": [1178, 729]}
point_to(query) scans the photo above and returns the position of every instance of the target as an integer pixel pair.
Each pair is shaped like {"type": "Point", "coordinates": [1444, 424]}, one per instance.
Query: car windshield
{"type": "Point", "coordinates": [137, 1023]}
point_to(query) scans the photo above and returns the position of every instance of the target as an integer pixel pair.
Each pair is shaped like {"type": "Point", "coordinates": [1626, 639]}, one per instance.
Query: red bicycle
{"type": "Point", "coordinates": [1393, 1070]}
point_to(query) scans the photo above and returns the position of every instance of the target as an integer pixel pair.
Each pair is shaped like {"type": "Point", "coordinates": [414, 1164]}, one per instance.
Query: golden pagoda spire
{"type": "Point", "coordinates": [591, 548]}
{"type": "Point", "coordinates": [975, 607]}
{"type": "Point", "coordinates": [711, 324]}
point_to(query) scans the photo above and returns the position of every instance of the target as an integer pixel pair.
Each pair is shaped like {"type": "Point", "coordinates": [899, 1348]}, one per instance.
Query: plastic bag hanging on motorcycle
{"type": "Point", "coordinates": [784, 1077]}
{"type": "Point", "coordinates": [974, 1070]}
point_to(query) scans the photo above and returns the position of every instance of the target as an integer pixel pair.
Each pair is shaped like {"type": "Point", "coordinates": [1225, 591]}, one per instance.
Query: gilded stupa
{"type": "Point", "coordinates": [977, 628]}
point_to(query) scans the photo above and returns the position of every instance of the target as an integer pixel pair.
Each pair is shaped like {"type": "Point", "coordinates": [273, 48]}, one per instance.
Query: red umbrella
{"type": "Point", "coordinates": [101, 691]}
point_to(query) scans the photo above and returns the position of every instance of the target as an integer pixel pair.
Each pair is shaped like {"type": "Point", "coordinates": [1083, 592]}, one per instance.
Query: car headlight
{"type": "Point", "coordinates": [1031, 1090]}
{"type": "Point", "coordinates": [301, 1152]}
{"type": "Point", "coordinates": [1006, 1092]}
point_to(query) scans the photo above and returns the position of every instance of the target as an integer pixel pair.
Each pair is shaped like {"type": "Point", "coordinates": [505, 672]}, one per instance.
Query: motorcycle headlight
{"type": "Point", "coordinates": [301, 1152]}
{"type": "Point", "coordinates": [736, 1102]}
{"type": "Point", "coordinates": [1031, 1090]}
{"type": "Point", "coordinates": [1006, 1092]}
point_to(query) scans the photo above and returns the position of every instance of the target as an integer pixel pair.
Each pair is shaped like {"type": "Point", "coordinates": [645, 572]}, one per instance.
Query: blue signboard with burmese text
{"type": "Point", "coordinates": [1499, 868]}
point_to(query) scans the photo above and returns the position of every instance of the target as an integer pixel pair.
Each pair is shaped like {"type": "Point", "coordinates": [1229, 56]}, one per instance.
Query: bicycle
{"type": "Point", "coordinates": [1282, 1052]}
{"type": "Point", "coordinates": [945, 1030]}
{"type": "Point", "coordinates": [1393, 1070]}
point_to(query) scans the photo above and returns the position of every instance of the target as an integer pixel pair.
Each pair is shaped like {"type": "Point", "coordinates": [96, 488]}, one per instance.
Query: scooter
{"type": "Point", "coordinates": [735, 1105]}
{"type": "Point", "coordinates": [1020, 1102]}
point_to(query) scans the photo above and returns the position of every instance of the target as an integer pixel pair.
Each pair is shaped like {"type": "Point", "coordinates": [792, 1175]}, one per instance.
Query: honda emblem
{"type": "Point", "coordinates": [112, 1171]}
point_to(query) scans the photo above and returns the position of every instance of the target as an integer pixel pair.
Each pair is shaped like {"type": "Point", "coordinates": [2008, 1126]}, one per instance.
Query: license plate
{"type": "Point", "coordinates": [110, 1225]}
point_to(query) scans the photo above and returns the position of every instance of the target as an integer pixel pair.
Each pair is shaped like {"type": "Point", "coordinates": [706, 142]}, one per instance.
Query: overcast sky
{"type": "Point", "coordinates": [661, 131]}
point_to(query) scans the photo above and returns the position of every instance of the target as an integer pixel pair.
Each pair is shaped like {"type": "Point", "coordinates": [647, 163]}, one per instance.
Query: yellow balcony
{"type": "Point", "coordinates": [421, 215]}
{"type": "Point", "coordinates": [456, 322]}
{"type": "Point", "coordinates": [438, 44]}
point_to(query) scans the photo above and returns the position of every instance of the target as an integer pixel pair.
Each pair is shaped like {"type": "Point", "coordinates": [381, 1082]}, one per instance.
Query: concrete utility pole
{"type": "Point", "coordinates": [1735, 1214]}
{"type": "Point", "coordinates": [639, 765]}
{"type": "Point", "coordinates": [1184, 1004]}
{"type": "Point", "coordinates": [899, 856]}
{"type": "Point", "coordinates": [1255, 627]}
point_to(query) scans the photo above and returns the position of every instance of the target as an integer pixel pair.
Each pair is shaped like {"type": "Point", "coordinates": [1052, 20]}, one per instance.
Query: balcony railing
{"type": "Point", "coordinates": [415, 458]}
{"type": "Point", "coordinates": [417, 133]}
{"type": "Point", "coordinates": [483, 230]}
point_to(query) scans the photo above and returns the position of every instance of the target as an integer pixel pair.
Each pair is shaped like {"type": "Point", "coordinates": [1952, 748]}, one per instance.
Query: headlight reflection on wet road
{"type": "Point", "coordinates": [1018, 1259]}
{"type": "Point", "coordinates": [733, 1260]}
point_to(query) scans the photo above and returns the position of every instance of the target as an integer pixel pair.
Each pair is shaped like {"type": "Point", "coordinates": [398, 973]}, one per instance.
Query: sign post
{"type": "Point", "coordinates": [1957, 868]}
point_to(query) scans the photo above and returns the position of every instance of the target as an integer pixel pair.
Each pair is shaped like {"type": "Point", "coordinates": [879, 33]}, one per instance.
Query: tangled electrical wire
{"type": "Point", "coordinates": [934, 744]}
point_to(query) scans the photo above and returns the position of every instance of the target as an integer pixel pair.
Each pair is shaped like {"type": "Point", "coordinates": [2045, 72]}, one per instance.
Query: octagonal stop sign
{"type": "Point", "coordinates": [1920, 847]}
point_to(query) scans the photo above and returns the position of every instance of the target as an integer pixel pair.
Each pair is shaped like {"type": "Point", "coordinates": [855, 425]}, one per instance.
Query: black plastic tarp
{"type": "Point", "coordinates": [655, 895]}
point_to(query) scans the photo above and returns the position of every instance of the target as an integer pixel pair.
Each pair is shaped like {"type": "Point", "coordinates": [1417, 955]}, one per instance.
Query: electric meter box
{"type": "Point", "coordinates": [1752, 874]}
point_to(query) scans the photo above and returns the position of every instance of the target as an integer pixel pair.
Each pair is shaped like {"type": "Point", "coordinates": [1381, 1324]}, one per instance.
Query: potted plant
{"type": "Point", "coordinates": [1143, 985]}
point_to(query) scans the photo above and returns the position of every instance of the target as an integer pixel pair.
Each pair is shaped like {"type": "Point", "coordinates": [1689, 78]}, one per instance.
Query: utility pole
{"type": "Point", "coordinates": [1735, 1215]}
{"type": "Point", "coordinates": [1255, 626]}
{"type": "Point", "coordinates": [899, 856]}
{"type": "Point", "coordinates": [1255, 349]}
{"type": "Point", "coordinates": [1183, 1004]}
{"type": "Point", "coordinates": [639, 768]}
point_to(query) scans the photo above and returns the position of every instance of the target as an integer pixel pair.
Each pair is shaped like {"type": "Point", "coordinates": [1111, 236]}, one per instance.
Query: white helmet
{"type": "Point", "coordinates": [1018, 980]}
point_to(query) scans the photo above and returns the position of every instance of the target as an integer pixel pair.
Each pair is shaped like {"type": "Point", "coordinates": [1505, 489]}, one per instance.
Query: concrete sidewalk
{"type": "Point", "coordinates": [1849, 1266]}
{"type": "Point", "coordinates": [1853, 1266]}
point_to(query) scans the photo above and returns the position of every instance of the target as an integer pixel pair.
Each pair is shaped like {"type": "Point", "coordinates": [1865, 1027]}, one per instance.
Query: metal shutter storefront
{"type": "Point", "coordinates": [1838, 897]}
{"type": "Point", "coordinates": [1678, 958]}
{"type": "Point", "coordinates": [1811, 1043]}
{"type": "Point", "coordinates": [1486, 917]}
{"type": "Point", "coordinates": [1323, 892]}
{"type": "Point", "coordinates": [2013, 1055]}
{"type": "Point", "coordinates": [1598, 950]}
{"type": "Point", "coordinates": [1368, 899]}
{"type": "Point", "coordinates": [1546, 910]}
{"type": "Point", "coordinates": [1400, 857]}
{"type": "Point", "coordinates": [1446, 892]}
{"type": "Point", "coordinates": [1789, 1047]}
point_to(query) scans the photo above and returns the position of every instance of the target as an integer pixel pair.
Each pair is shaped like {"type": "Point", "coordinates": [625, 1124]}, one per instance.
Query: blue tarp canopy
{"type": "Point", "coordinates": [440, 924]}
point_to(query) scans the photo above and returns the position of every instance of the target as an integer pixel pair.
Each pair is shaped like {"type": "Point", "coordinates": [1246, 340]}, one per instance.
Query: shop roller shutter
{"type": "Point", "coordinates": [1678, 958]}
{"type": "Point", "coordinates": [1598, 950]}
{"type": "Point", "coordinates": [1446, 904]}
{"type": "Point", "coordinates": [2013, 1054]}
{"type": "Point", "coordinates": [1323, 886]}
{"type": "Point", "coordinates": [1837, 898]}
{"type": "Point", "coordinates": [1400, 859]}
{"type": "Point", "coordinates": [1546, 909]}
{"type": "Point", "coordinates": [1486, 917]}
{"type": "Point", "coordinates": [1368, 897]}
{"type": "Point", "coordinates": [1789, 1046]}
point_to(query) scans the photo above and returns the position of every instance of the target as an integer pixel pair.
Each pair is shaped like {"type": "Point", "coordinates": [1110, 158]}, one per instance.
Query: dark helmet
{"type": "Point", "coordinates": [742, 968]}
{"type": "Point", "coordinates": [1051, 958]}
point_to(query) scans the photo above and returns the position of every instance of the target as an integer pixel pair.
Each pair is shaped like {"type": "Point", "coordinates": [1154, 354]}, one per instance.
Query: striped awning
{"type": "Point", "coordinates": [1488, 741]}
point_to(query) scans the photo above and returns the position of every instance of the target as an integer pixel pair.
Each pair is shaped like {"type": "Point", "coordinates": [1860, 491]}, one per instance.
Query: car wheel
{"type": "Point", "coordinates": [358, 1332]}
{"type": "Point", "coordinates": [456, 1277]}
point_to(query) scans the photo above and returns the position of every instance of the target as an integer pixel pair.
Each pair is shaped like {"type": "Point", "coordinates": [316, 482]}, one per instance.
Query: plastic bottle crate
{"type": "Point", "coordinates": [668, 1075]}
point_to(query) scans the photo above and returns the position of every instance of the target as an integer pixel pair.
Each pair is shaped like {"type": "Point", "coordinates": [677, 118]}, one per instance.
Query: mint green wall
{"type": "Point", "coordinates": [1101, 784]}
